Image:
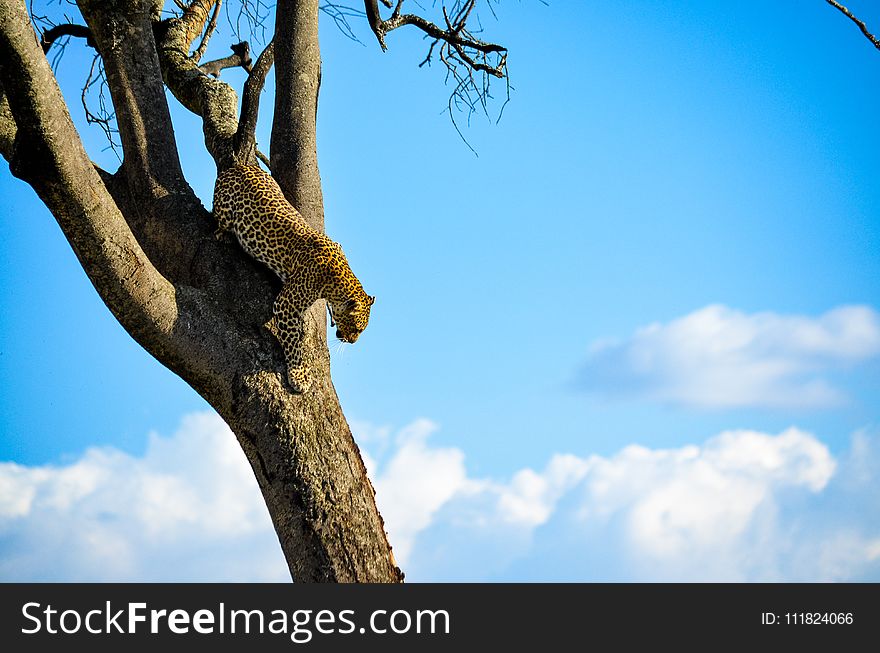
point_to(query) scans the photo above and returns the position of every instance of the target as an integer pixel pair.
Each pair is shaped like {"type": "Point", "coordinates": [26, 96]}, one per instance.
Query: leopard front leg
{"type": "Point", "coordinates": [224, 225]}
{"type": "Point", "coordinates": [288, 328]}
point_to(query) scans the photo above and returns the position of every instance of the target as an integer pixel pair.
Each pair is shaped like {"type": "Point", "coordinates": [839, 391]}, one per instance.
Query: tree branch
{"type": "Point", "coordinates": [240, 58]}
{"type": "Point", "coordinates": [214, 101]}
{"type": "Point", "coordinates": [8, 128]}
{"type": "Point", "coordinates": [471, 63]}
{"type": "Point", "coordinates": [209, 31]}
{"type": "Point", "coordinates": [245, 137]}
{"type": "Point", "coordinates": [340, 14]}
{"type": "Point", "coordinates": [264, 160]}
{"type": "Point", "coordinates": [455, 34]}
{"type": "Point", "coordinates": [49, 155]}
{"type": "Point", "coordinates": [66, 29]}
{"type": "Point", "coordinates": [293, 149]}
{"type": "Point", "coordinates": [152, 170]}
{"type": "Point", "coordinates": [861, 24]}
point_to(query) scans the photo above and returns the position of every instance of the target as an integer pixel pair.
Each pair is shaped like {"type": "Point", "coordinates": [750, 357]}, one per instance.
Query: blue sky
{"type": "Point", "coordinates": [671, 241]}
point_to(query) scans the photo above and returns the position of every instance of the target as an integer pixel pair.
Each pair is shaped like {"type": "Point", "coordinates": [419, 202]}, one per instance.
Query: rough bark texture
{"type": "Point", "coordinates": [196, 304]}
{"type": "Point", "coordinates": [294, 153]}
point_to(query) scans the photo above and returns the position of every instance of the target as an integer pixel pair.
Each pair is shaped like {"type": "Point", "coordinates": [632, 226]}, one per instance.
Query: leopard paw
{"type": "Point", "coordinates": [299, 379]}
{"type": "Point", "coordinates": [272, 327]}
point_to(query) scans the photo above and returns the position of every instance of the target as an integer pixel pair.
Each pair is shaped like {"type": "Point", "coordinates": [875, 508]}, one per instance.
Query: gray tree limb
{"type": "Point", "coordinates": [47, 153]}
{"type": "Point", "coordinates": [293, 150]}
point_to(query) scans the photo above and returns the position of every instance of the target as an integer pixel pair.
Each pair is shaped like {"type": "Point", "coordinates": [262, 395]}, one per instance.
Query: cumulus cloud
{"type": "Point", "coordinates": [530, 497]}
{"type": "Point", "coordinates": [743, 505]}
{"type": "Point", "coordinates": [415, 483]}
{"type": "Point", "coordinates": [697, 506]}
{"type": "Point", "coordinates": [721, 358]}
{"type": "Point", "coordinates": [188, 509]}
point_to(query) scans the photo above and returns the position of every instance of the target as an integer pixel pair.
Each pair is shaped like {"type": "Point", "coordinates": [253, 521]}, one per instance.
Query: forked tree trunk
{"type": "Point", "coordinates": [196, 304]}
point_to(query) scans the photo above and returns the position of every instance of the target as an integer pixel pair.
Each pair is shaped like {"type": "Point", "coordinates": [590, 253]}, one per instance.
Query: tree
{"type": "Point", "coordinates": [144, 239]}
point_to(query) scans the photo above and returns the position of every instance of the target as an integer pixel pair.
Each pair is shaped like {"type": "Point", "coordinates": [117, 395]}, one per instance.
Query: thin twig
{"type": "Point", "coordinates": [340, 15]}
{"type": "Point", "coordinates": [456, 33]}
{"type": "Point", "coordinates": [254, 13]}
{"type": "Point", "coordinates": [209, 31]}
{"type": "Point", "coordinates": [846, 12]}
{"type": "Point", "coordinates": [471, 63]}
{"type": "Point", "coordinates": [264, 160]}
{"type": "Point", "coordinates": [105, 116]}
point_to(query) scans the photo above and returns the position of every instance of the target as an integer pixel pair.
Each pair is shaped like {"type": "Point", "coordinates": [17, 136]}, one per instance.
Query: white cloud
{"type": "Point", "coordinates": [743, 505]}
{"type": "Point", "coordinates": [722, 358]}
{"type": "Point", "coordinates": [415, 483]}
{"type": "Point", "coordinates": [530, 497]}
{"type": "Point", "coordinates": [188, 509]}
{"type": "Point", "coordinates": [684, 503]}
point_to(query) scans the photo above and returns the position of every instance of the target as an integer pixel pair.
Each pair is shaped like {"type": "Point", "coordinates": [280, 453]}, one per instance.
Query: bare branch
{"type": "Point", "coordinates": [245, 137]}
{"type": "Point", "coordinates": [209, 31]}
{"type": "Point", "coordinates": [427, 59]}
{"type": "Point", "coordinates": [340, 15]}
{"type": "Point", "coordinates": [66, 29]}
{"type": "Point", "coordinates": [861, 24]}
{"type": "Point", "coordinates": [497, 70]}
{"type": "Point", "coordinates": [49, 155]}
{"type": "Point", "coordinates": [105, 117]}
{"type": "Point", "coordinates": [264, 160]}
{"type": "Point", "coordinates": [470, 62]}
{"type": "Point", "coordinates": [455, 35]}
{"type": "Point", "coordinates": [240, 58]}
{"type": "Point", "coordinates": [214, 101]}
{"type": "Point", "coordinates": [254, 14]}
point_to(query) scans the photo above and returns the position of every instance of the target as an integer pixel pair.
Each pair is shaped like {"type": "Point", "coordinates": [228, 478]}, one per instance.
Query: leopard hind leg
{"type": "Point", "coordinates": [287, 325]}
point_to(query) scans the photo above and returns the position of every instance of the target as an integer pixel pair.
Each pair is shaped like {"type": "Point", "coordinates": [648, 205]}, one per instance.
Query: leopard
{"type": "Point", "coordinates": [249, 204]}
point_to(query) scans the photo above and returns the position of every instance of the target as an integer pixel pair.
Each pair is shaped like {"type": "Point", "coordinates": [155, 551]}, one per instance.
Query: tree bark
{"type": "Point", "coordinates": [199, 306]}
{"type": "Point", "coordinates": [294, 152]}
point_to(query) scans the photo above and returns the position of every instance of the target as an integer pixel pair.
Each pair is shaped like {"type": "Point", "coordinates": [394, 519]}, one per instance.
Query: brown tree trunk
{"type": "Point", "coordinates": [196, 304]}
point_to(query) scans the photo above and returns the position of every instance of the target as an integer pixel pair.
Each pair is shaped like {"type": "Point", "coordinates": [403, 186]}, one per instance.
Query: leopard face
{"type": "Point", "coordinates": [351, 321]}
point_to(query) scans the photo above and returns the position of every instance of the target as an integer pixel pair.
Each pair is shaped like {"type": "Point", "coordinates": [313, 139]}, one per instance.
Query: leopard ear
{"type": "Point", "coordinates": [372, 299]}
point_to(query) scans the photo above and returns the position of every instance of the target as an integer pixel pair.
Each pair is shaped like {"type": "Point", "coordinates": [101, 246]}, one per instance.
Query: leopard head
{"type": "Point", "coordinates": [351, 317]}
